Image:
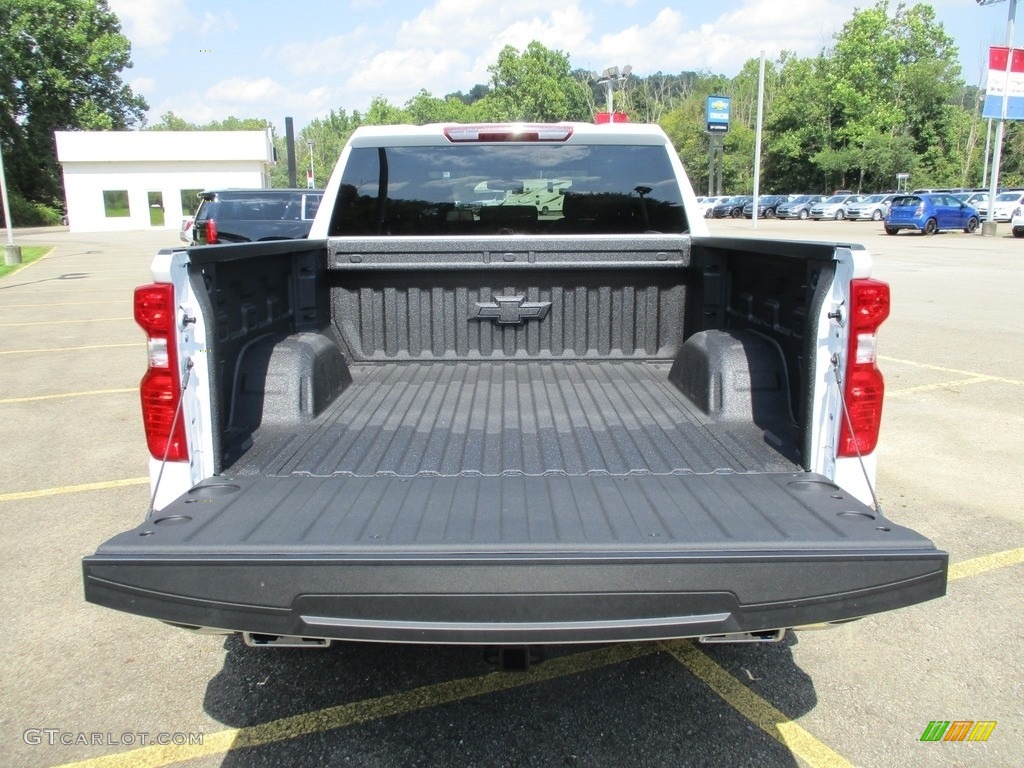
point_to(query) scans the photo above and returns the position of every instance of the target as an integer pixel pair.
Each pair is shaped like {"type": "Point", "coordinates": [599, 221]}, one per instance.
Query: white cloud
{"type": "Point", "coordinates": [151, 24]}
{"type": "Point", "coordinates": [337, 54]}
{"type": "Point", "coordinates": [142, 84]}
{"type": "Point", "coordinates": [217, 23]}
{"type": "Point", "coordinates": [444, 48]}
{"type": "Point", "coordinates": [249, 97]}
{"type": "Point", "coordinates": [671, 42]}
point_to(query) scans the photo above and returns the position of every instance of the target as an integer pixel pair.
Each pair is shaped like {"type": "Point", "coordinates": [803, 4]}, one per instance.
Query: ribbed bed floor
{"type": "Point", "coordinates": [513, 418]}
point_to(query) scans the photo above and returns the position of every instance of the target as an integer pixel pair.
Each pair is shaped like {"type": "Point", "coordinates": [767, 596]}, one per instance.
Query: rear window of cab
{"type": "Point", "coordinates": [527, 187]}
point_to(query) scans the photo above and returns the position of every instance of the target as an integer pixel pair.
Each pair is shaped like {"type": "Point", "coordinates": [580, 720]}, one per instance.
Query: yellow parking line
{"type": "Point", "coordinates": [971, 374]}
{"type": "Point", "coordinates": [369, 710]}
{"type": "Point", "coordinates": [938, 385]}
{"type": "Point", "coordinates": [63, 304]}
{"type": "Point", "coordinates": [89, 275]}
{"type": "Point", "coordinates": [985, 563]}
{"type": "Point", "coordinates": [62, 395]}
{"type": "Point", "coordinates": [766, 717]}
{"type": "Point", "coordinates": [64, 322]}
{"type": "Point", "coordinates": [76, 289]}
{"type": "Point", "coordinates": [40, 493]}
{"type": "Point", "coordinates": [66, 349]}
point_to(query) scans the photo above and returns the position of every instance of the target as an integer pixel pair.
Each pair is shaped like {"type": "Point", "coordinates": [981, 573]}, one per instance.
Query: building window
{"type": "Point", "coordinates": [115, 203]}
{"type": "Point", "coordinates": [189, 201]}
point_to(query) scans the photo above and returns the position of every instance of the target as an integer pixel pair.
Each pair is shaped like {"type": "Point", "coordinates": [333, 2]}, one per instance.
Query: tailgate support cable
{"type": "Point", "coordinates": [856, 443]}
{"type": "Point", "coordinates": [174, 423]}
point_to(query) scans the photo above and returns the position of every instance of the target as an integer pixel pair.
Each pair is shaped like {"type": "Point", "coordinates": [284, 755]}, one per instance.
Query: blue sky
{"type": "Point", "coordinates": [265, 58]}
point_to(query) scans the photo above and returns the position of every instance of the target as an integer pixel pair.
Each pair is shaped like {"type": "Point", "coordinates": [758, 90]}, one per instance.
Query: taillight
{"type": "Point", "coordinates": [864, 387]}
{"type": "Point", "coordinates": [161, 384]}
{"type": "Point", "coordinates": [919, 211]}
{"type": "Point", "coordinates": [211, 231]}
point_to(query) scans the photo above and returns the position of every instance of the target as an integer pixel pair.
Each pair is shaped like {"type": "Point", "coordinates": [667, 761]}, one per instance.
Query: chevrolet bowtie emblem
{"type": "Point", "coordinates": [510, 310]}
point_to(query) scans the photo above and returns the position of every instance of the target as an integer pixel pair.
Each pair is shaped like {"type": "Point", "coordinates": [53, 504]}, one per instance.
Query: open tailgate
{"type": "Point", "coordinates": [515, 559]}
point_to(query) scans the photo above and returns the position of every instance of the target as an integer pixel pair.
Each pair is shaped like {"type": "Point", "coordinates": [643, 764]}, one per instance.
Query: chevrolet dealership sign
{"type": "Point", "coordinates": [717, 114]}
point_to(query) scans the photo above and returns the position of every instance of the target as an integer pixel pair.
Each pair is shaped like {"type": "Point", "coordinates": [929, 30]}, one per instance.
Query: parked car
{"type": "Point", "coordinates": [185, 233]}
{"type": "Point", "coordinates": [833, 208]}
{"type": "Point", "coordinates": [1005, 204]}
{"type": "Point", "coordinates": [930, 213]}
{"type": "Point", "coordinates": [766, 206]}
{"type": "Point", "coordinates": [707, 204]}
{"type": "Point", "coordinates": [731, 207]}
{"type": "Point", "coordinates": [798, 208]}
{"type": "Point", "coordinates": [977, 199]}
{"type": "Point", "coordinates": [873, 207]}
{"type": "Point", "coordinates": [244, 215]}
{"type": "Point", "coordinates": [1017, 222]}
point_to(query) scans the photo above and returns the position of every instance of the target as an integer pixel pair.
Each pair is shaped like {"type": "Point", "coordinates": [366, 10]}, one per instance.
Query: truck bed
{"type": "Point", "coordinates": [514, 418]}
{"type": "Point", "coordinates": [395, 466]}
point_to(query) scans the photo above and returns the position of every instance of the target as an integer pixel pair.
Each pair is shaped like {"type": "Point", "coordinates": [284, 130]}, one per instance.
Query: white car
{"type": "Point", "coordinates": [973, 198]}
{"type": "Point", "coordinates": [1017, 222]}
{"type": "Point", "coordinates": [873, 207]}
{"type": "Point", "coordinates": [706, 204]}
{"type": "Point", "coordinates": [1006, 203]}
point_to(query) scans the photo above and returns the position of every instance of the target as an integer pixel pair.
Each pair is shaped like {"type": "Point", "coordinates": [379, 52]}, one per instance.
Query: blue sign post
{"type": "Point", "coordinates": [717, 114]}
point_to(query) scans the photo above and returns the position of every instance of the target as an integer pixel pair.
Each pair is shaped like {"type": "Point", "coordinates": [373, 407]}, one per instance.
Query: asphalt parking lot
{"type": "Point", "coordinates": [83, 685]}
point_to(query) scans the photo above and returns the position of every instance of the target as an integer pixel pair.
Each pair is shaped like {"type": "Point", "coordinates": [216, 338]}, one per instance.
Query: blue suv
{"type": "Point", "coordinates": [930, 213]}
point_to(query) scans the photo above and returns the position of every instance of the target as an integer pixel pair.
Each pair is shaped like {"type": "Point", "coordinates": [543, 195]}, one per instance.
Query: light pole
{"type": "Point", "coordinates": [608, 78]}
{"type": "Point", "coordinates": [988, 227]}
{"type": "Point", "coordinates": [12, 252]}
{"type": "Point", "coordinates": [310, 182]}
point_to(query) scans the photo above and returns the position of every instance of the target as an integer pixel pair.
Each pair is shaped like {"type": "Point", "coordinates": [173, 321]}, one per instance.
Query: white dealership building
{"type": "Point", "coordinates": [131, 180]}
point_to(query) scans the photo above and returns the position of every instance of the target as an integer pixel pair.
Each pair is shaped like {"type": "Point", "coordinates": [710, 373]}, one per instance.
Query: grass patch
{"type": "Point", "coordinates": [29, 253]}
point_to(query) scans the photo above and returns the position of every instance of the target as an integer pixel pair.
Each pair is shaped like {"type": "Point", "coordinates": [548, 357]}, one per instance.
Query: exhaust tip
{"type": "Point", "coordinates": [258, 640]}
{"type": "Point", "coordinates": [764, 636]}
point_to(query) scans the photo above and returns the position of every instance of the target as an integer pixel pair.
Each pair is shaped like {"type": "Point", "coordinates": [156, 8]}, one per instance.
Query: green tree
{"type": "Point", "coordinates": [893, 73]}
{"type": "Point", "coordinates": [171, 122]}
{"type": "Point", "coordinates": [328, 135]}
{"type": "Point", "coordinates": [536, 85]}
{"type": "Point", "coordinates": [685, 126]}
{"type": "Point", "coordinates": [60, 69]}
{"type": "Point", "coordinates": [797, 126]}
{"type": "Point", "coordinates": [424, 108]}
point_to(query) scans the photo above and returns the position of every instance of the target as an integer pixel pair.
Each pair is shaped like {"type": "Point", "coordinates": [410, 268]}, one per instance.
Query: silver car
{"type": "Point", "coordinates": [873, 207]}
{"type": "Point", "coordinates": [799, 207]}
{"type": "Point", "coordinates": [834, 207]}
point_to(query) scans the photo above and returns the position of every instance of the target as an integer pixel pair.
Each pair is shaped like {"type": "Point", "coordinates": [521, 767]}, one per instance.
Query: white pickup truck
{"type": "Point", "coordinates": [447, 420]}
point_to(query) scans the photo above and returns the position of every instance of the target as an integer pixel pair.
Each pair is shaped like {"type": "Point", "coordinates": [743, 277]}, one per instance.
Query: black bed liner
{"type": "Point", "coordinates": [530, 418]}
{"type": "Point", "coordinates": [510, 503]}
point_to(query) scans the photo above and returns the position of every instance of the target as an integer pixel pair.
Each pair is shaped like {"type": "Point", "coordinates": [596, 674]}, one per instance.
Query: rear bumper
{"type": "Point", "coordinates": [510, 600]}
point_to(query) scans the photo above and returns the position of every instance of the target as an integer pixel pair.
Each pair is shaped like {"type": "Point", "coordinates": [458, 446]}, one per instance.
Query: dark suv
{"type": "Point", "coordinates": [244, 215]}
